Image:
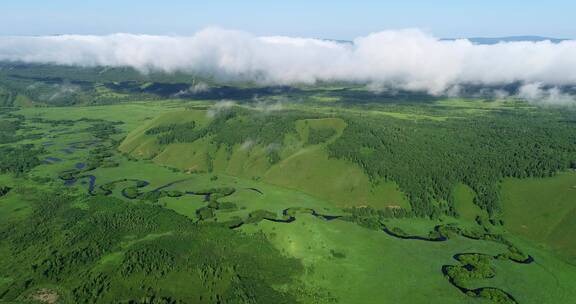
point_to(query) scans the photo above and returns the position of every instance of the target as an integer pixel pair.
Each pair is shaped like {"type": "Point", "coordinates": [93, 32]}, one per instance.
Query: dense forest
{"type": "Point", "coordinates": [67, 239]}
{"type": "Point", "coordinates": [18, 160]}
{"type": "Point", "coordinates": [427, 158]}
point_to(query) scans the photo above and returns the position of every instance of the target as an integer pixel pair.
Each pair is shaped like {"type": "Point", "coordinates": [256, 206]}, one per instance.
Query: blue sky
{"type": "Point", "coordinates": [312, 18]}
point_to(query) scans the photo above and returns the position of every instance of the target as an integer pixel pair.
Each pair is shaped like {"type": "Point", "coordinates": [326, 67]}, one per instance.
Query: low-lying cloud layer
{"type": "Point", "coordinates": [403, 59]}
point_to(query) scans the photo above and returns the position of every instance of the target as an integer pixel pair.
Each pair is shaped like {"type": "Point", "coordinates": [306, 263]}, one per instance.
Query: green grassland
{"type": "Point", "coordinates": [543, 210]}
{"type": "Point", "coordinates": [170, 243]}
{"type": "Point", "coordinates": [464, 198]}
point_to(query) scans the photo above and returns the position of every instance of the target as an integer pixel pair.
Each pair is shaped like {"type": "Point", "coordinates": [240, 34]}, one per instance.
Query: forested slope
{"type": "Point", "coordinates": [426, 158]}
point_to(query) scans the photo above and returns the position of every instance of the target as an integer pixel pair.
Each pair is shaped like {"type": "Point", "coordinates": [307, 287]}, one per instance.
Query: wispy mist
{"type": "Point", "coordinates": [403, 59]}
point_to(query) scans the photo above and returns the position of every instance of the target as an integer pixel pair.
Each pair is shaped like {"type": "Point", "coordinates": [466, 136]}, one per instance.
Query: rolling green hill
{"type": "Point", "coordinates": [543, 210]}
{"type": "Point", "coordinates": [303, 162]}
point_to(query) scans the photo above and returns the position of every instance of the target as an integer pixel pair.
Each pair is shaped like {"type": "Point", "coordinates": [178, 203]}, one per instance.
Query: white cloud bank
{"type": "Point", "coordinates": [537, 93]}
{"type": "Point", "coordinates": [404, 59]}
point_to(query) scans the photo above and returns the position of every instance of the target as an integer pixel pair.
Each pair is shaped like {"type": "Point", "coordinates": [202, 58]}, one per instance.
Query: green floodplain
{"type": "Point", "coordinates": [123, 192]}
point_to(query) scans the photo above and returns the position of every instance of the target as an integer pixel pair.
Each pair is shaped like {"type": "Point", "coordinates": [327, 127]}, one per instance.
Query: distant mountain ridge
{"type": "Point", "coordinates": [486, 40]}
{"type": "Point", "coordinates": [495, 40]}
